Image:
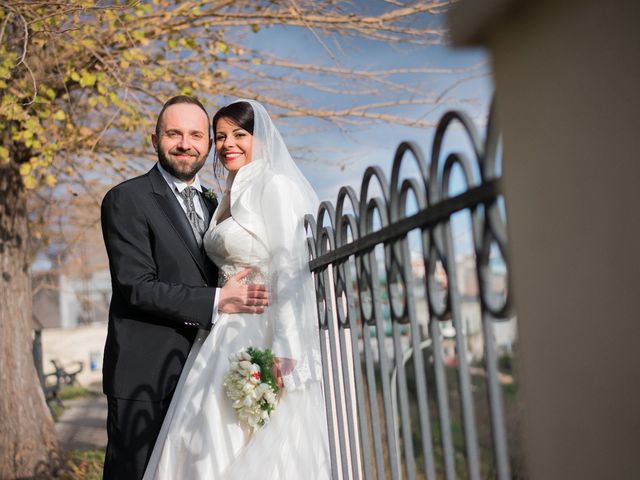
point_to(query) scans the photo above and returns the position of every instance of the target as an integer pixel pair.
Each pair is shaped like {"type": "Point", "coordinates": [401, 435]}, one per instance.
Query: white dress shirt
{"type": "Point", "coordinates": [177, 186]}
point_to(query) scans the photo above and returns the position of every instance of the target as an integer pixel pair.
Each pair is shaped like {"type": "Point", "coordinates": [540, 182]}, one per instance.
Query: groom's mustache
{"type": "Point", "coordinates": [193, 153]}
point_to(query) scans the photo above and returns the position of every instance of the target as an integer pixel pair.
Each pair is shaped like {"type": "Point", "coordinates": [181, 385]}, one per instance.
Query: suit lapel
{"type": "Point", "coordinates": [168, 203]}
{"type": "Point", "coordinates": [210, 205]}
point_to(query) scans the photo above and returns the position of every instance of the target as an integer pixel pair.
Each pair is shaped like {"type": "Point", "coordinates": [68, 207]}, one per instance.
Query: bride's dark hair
{"type": "Point", "coordinates": [240, 113]}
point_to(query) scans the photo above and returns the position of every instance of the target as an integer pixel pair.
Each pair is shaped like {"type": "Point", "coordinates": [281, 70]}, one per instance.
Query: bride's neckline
{"type": "Point", "coordinates": [220, 222]}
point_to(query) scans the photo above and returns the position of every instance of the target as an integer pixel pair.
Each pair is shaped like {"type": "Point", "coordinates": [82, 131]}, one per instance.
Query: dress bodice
{"type": "Point", "coordinates": [232, 248]}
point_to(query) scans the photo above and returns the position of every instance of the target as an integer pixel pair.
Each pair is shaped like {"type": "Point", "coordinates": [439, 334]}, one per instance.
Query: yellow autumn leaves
{"type": "Point", "coordinates": [29, 177]}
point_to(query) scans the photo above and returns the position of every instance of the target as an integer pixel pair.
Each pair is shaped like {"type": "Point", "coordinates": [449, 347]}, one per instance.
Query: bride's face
{"type": "Point", "coordinates": [233, 144]}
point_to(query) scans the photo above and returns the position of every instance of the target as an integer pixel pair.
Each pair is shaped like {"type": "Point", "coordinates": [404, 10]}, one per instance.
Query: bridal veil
{"type": "Point", "coordinates": [270, 197]}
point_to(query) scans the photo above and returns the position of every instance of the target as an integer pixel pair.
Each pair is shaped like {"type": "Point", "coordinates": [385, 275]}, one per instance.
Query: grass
{"type": "Point", "coordinates": [74, 391]}
{"type": "Point", "coordinates": [512, 413]}
{"type": "Point", "coordinates": [82, 465]}
{"type": "Point", "coordinates": [68, 392]}
{"type": "Point", "coordinates": [57, 409]}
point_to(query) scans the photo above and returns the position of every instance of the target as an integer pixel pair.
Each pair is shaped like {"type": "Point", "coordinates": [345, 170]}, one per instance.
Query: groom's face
{"type": "Point", "coordinates": [183, 141]}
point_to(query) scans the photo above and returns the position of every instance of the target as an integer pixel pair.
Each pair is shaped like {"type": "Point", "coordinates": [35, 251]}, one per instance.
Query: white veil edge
{"type": "Point", "coordinates": [270, 198]}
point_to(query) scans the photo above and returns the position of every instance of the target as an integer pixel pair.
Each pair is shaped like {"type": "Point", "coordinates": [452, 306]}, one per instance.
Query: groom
{"type": "Point", "coordinates": [163, 284]}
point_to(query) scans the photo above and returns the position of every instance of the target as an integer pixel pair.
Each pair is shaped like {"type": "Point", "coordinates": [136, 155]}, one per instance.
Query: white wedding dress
{"type": "Point", "coordinates": [201, 437]}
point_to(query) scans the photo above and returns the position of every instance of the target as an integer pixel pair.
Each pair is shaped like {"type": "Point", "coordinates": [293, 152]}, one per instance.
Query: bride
{"type": "Point", "coordinates": [257, 229]}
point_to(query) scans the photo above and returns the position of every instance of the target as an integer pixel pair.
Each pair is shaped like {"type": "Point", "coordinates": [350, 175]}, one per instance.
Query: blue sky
{"type": "Point", "coordinates": [331, 155]}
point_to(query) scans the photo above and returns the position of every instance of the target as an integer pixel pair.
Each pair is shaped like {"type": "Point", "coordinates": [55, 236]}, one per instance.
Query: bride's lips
{"type": "Point", "coordinates": [231, 155]}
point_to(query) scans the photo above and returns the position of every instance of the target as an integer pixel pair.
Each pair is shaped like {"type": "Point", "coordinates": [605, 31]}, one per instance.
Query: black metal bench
{"type": "Point", "coordinates": [61, 377]}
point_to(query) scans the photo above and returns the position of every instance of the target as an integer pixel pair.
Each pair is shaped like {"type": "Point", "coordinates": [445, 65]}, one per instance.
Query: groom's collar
{"type": "Point", "coordinates": [175, 184]}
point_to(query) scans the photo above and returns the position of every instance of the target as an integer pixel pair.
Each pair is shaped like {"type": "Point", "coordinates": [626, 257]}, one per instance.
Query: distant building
{"type": "Point", "coordinates": [504, 330]}
{"type": "Point", "coordinates": [64, 301]}
{"type": "Point", "coordinates": [76, 290]}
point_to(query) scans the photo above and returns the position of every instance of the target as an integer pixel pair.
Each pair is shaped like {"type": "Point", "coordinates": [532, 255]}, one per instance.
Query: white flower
{"type": "Point", "coordinates": [270, 397]}
{"type": "Point", "coordinates": [253, 399]}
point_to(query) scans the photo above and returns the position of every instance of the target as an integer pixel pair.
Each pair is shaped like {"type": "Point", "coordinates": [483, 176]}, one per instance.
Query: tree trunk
{"type": "Point", "coordinates": [28, 444]}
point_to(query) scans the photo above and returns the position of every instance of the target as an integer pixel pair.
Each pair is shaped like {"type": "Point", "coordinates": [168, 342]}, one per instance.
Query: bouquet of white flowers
{"type": "Point", "coordinates": [251, 386]}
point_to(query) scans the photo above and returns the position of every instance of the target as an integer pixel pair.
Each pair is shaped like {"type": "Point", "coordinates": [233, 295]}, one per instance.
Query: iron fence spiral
{"type": "Point", "coordinates": [388, 386]}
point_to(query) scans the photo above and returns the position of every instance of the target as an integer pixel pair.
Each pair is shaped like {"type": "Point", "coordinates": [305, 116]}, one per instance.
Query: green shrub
{"type": "Point", "coordinates": [505, 364]}
{"type": "Point", "coordinates": [73, 391]}
{"type": "Point", "coordinates": [83, 465]}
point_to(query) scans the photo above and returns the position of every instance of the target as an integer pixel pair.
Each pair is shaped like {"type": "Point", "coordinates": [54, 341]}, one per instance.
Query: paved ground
{"type": "Point", "coordinates": [82, 425]}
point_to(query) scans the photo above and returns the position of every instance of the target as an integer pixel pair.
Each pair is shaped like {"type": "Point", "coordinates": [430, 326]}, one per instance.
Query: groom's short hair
{"type": "Point", "coordinates": [175, 101]}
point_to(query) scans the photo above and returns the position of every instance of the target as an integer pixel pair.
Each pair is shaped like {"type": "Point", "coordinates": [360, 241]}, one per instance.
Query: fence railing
{"type": "Point", "coordinates": [408, 311]}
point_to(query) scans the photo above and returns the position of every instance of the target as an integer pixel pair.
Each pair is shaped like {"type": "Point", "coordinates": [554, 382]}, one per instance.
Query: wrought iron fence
{"type": "Point", "coordinates": [412, 391]}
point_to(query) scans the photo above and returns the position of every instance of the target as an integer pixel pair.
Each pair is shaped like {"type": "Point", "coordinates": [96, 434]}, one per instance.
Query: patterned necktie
{"type": "Point", "coordinates": [197, 224]}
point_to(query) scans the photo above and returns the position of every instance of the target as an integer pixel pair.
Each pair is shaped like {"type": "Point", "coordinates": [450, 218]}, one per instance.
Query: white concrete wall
{"type": "Point", "coordinates": [75, 344]}
{"type": "Point", "coordinates": [567, 80]}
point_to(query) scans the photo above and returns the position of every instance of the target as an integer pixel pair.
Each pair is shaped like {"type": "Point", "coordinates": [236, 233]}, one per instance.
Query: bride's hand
{"type": "Point", "coordinates": [282, 367]}
{"type": "Point", "coordinates": [236, 297]}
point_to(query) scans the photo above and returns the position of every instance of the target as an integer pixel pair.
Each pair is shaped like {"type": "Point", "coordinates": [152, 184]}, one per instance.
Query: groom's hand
{"type": "Point", "coordinates": [236, 297]}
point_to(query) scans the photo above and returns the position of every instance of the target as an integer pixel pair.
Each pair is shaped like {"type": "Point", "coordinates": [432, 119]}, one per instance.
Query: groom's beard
{"type": "Point", "coordinates": [186, 173]}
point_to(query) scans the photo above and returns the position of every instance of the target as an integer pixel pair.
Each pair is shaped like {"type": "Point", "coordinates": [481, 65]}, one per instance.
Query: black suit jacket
{"type": "Point", "coordinates": [163, 288]}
